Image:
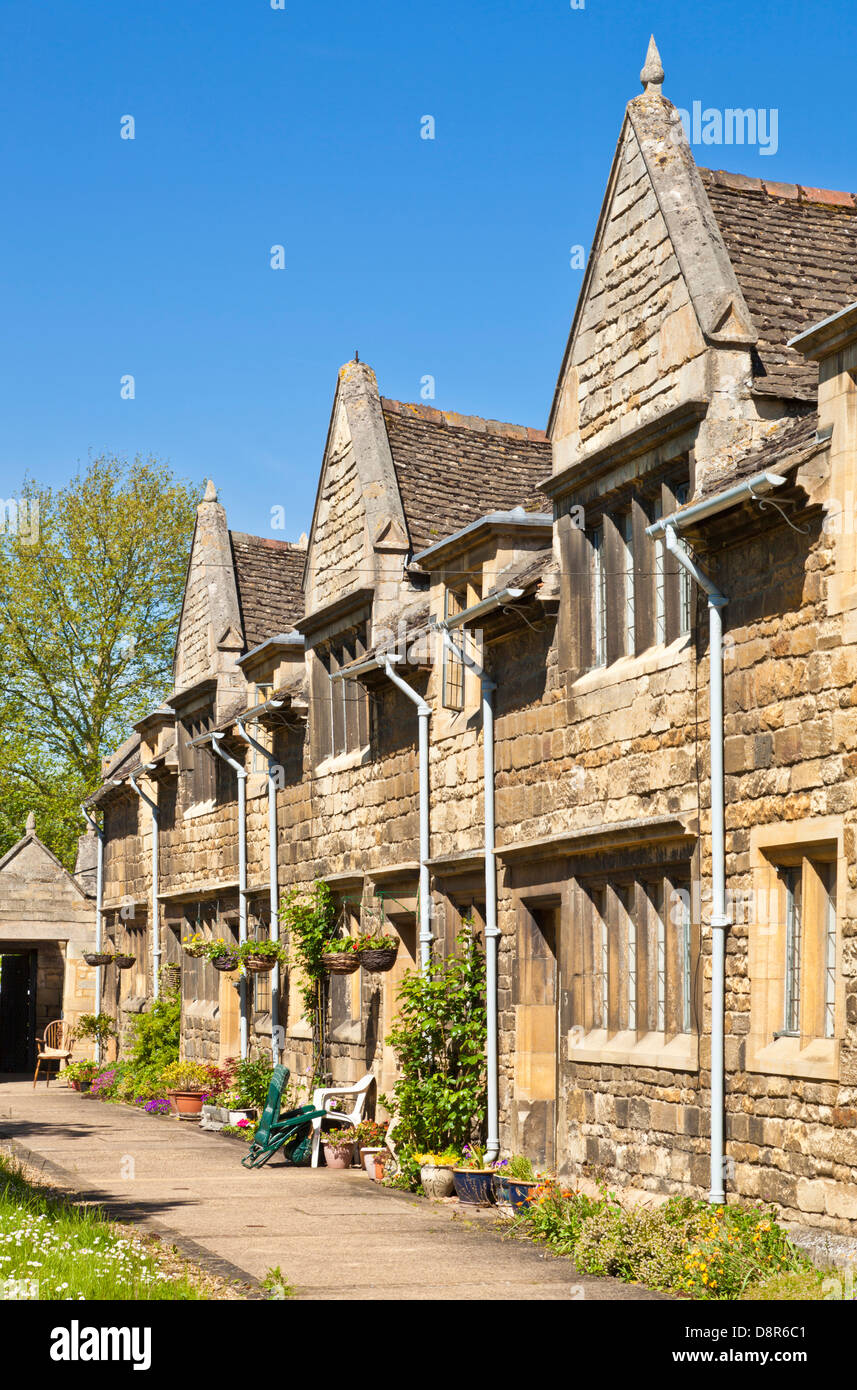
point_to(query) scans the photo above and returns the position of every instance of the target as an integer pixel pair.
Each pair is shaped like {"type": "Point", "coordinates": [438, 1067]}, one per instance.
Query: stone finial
{"type": "Point", "coordinates": [31, 823]}
{"type": "Point", "coordinates": [210, 492]}
{"type": "Point", "coordinates": [652, 75]}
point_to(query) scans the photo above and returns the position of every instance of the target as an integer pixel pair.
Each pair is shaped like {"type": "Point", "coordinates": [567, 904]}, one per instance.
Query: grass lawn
{"type": "Point", "coordinates": [55, 1247]}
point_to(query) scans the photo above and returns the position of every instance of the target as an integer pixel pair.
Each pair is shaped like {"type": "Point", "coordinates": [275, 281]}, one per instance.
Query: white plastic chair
{"type": "Point", "coordinates": [327, 1097]}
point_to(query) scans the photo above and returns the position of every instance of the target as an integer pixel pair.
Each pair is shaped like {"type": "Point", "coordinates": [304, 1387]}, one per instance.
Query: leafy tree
{"type": "Point", "coordinates": [90, 594]}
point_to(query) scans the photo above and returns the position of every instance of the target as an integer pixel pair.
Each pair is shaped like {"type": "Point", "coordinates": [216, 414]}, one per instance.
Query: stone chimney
{"type": "Point", "coordinates": [85, 864]}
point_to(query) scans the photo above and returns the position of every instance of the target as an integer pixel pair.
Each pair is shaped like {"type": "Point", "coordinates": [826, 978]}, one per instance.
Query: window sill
{"type": "Point", "coordinates": [199, 808]}
{"type": "Point", "coordinates": [817, 1061]}
{"type": "Point", "coordinates": [679, 1053]}
{"type": "Point", "coordinates": [356, 758]}
{"type": "Point", "coordinates": [626, 668]}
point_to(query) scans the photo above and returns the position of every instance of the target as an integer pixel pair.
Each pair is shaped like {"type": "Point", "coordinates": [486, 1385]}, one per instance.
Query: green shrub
{"type": "Point", "coordinates": [439, 1042]}
{"type": "Point", "coordinates": [156, 1034]}
{"type": "Point", "coordinates": [685, 1246]}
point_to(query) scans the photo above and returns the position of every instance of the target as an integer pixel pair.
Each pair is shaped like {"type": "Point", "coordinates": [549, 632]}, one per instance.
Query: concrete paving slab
{"type": "Point", "coordinates": [334, 1235]}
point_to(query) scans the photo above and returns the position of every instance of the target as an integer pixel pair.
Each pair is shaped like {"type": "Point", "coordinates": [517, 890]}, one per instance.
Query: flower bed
{"type": "Point", "coordinates": [682, 1247]}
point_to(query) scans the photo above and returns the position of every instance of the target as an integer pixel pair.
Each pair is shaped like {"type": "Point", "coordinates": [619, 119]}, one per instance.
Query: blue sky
{"type": "Point", "coordinates": [301, 127]}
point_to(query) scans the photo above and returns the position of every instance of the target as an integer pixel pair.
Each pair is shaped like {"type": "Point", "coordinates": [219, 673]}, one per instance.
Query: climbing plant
{"type": "Point", "coordinates": [311, 919]}
{"type": "Point", "coordinates": [439, 1041]}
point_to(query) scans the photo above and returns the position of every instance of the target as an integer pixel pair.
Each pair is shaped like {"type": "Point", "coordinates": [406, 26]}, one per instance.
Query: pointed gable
{"type": "Point", "coordinates": [210, 608]}
{"type": "Point", "coordinates": [359, 533]}
{"type": "Point", "coordinates": [662, 322]}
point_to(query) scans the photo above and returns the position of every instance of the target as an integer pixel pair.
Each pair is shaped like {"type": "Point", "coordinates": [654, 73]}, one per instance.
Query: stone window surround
{"type": "Point", "coordinates": [644, 1047]}
{"type": "Point", "coordinates": [808, 1058]}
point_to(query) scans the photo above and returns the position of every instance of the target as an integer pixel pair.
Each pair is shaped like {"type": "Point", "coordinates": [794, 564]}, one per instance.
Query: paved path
{"type": "Point", "coordinates": [334, 1235]}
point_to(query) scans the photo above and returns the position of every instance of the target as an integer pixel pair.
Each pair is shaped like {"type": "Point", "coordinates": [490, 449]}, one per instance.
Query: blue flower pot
{"type": "Point", "coordinates": [512, 1192]}
{"type": "Point", "coordinates": [474, 1185]}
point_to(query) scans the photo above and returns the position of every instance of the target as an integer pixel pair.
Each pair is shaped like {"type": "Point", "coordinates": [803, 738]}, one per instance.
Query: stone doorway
{"type": "Point", "coordinates": [536, 1027]}
{"type": "Point", "coordinates": [17, 1011]}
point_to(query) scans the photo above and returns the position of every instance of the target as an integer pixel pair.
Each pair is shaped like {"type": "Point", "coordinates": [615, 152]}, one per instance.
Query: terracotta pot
{"type": "Point", "coordinates": [225, 962]}
{"type": "Point", "coordinates": [475, 1185]}
{"type": "Point", "coordinates": [380, 1164]}
{"type": "Point", "coordinates": [340, 1157]}
{"type": "Point", "coordinates": [437, 1181]}
{"type": "Point", "coordinates": [74, 1085]}
{"type": "Point", "coordinates": [368, 1156]}
{"type": "Point", "coordinates": [259, 965]}
{"type": "Point", "coordinates": [341, 962]}
{"type": "Point", "coordinates": [185, 1102]}
{"type": "Point", "coordinates": [376, 961]}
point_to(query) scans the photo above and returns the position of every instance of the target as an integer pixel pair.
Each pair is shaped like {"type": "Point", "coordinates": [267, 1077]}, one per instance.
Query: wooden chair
{"type": "Point", "coordinates": [55, 1046]}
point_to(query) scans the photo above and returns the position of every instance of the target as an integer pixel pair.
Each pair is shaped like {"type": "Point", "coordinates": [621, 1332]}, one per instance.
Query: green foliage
{"type": "Point", "coordinates": [155, 1039]}
{"type": "Point", "coordinates": [311, 922]}
{"type": "Point", "coordinates": [684, 1247]}
{"type": "Point", "coordinates": [269, 950]}
{"type": "Point", "coordinates": [520, 1168]}
{"type": "Point", "coordinates": [275, 1285]}
{"type": "Point", "coordinates": [100, 1027]}
{"type": "Point", "coordinates": [439, 1042]}
{"type": "Point", "coordinates": [88, 610]}
{"type": "Point", "coordinates": [188, 1076]}
{"type": "Point", "coordinates": [80, 1071]}
{"type": "Point", "coordinates": [217, 948]}
{"type": "Point", "coordinates": [249, 1084]}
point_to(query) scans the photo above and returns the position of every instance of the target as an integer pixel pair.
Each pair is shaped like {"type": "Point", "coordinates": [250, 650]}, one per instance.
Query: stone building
{"type": "Point", "coordinates": [46, 923]}
{"type": "Point", "coordinates": [663, 933]}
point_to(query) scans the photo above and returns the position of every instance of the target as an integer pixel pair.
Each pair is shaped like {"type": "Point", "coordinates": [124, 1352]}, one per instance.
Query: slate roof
{"type": "Point", "coordinates": [452, 469]}
{"type": "Point", "coordinates": [790, 443]}
{"type": "Point", "coordinates": [794, 250]}
{"type": "Point", "coordinates": [269, 575]}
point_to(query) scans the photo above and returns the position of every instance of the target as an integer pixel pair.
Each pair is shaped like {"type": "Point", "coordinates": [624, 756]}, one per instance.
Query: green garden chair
{"type": "Point", "coordinates": [289, 1134]}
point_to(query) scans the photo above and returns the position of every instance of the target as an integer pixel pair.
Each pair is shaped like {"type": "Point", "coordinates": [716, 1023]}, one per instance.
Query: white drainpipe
{"type": "Point", "coordinates": [273, 876]}
{"type": "Point", "coordinates": [669, 527]}
{"type": "Point", "coordinates": [156, 934]}
{"type": "Point", "coordinates": [385, 661]}
{"type": "Point", "coordinates": [241, 774]}
{"type": "Point", "coordinates": [492, 931]}
{"type": "Point", "coordinates": [99, 895]}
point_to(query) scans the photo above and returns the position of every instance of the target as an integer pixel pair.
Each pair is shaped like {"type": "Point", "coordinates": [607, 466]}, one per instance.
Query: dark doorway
{"type": "Point", "coordinates": [18, 1011]}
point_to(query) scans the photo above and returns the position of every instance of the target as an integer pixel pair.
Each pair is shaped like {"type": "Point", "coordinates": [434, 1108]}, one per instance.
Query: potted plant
{"type": "Point", "coordinates": [194, 945]}
{"type": "Point", "coordinates": [222, 954]}
{"type": "Point", "coordinates": [473, 1179]}
{"type": "Point", "coordinates": [342, 956]}
{"type": "Point", "coordinates": [514, 1181]}
{"type": "Point", "coordinates": [98, 957]}
{"type": "Point", "coordinates": [436, 1172]}
{"type": "Point", "coordinates": [339, 1146]}
{"type": "Point", "coordinates": [377, 951]}
{"type": "Point", "coordinates": [79, 1074]}
{"type": "Point", "coordinates": [187, 1085]}
{"type": "Point", "coordinates": [370, 1136]}
{"type": "Point", "coordinates": [259, 957]}
{"type": "Point", "coordinates": [98, 1027]}
{"type": "Point", "coordinates": [123, 961]}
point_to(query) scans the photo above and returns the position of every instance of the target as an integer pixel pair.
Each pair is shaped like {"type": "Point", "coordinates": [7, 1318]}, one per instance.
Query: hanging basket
{"type": "Point", "coordinates": [259, 965]}
{"type": "Point", "coordinates": [195, 949]}
{"type": "Point", "coordinates": [123, 961]}
{"type": "Point", "coordinates": [341, 962]}
{"type": "Point", "coordinates": [379, 959]}
{"type": "Point", "coordinates": [97, 957]}
{"type": "Point", "coordinates": [228, 961]}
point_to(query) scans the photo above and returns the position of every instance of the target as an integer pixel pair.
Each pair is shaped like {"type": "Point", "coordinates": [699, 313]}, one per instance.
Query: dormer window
{"type": "Point", "coordinates": [196, 763]}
